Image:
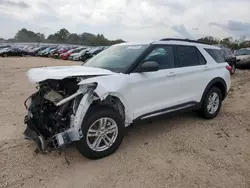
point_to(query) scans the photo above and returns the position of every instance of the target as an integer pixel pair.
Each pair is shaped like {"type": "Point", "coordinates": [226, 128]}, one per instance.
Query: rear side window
{"type": "Point", "coordinates": [189, 56]}
{"type": "Point", "coordinates": [216, 55]}
{"type": "Point", "coordinates": [227, 53]}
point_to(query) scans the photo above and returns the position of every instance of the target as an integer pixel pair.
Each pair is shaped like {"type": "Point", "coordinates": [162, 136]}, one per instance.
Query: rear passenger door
{"type": "Point", "coordinates": [192, 72]}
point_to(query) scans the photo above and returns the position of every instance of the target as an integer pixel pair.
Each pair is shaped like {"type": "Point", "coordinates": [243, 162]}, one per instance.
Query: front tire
{"type": "Point", "coordinates": [211, 104]}
{"type": "Point", "coordinates": [103, 131]}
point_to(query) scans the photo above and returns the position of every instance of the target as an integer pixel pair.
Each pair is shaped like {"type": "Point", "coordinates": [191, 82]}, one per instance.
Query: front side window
{"type": "Point", "coordinates": [216, 54]}
{"type": "Point", "coordinates": [117, 58]}
{"type": "Point", "coordinates": [163, 55]}
{"type": "Point", "coordinates": [189, 56]}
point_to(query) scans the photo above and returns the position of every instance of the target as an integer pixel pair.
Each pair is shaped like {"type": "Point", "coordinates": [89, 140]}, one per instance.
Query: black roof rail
{"type": "Point", "coordinates": [184, 40]}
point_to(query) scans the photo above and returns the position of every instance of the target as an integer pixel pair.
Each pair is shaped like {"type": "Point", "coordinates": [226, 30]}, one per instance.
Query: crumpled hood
{"type": "Point", "coordinates": [36, 75]}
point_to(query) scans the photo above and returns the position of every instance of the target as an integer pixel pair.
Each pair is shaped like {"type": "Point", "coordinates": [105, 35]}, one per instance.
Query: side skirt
{"type": "Point", "coordinates": [189, 106]}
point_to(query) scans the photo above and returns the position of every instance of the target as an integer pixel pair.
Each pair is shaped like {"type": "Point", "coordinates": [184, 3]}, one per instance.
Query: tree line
{"type": "Point", "coordinates": [63, 36]}
{"type": "Point", "coordinates": [229, 42]}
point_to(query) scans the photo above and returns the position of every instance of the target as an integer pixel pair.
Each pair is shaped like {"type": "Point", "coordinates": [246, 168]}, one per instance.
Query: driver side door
{"type": "Point", "coordinates": [150, 92]}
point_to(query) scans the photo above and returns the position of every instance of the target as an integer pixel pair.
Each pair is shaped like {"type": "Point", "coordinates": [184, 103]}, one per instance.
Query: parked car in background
{"type": "Point", "coordinates": [89, 54]}
{"type": "Point", "coordinates": [78, 57]}
{"type": "Point", "coordinates": [243, 58]}
{"type": "Point", "coordinates": [60, 51]}
{"type": "Point", "coordinates": [3, 51]}
{"type": "Point", "coordinates": [230, 58]}
{"type": "Point", "coordinates": [4, 46]}
{"type": "Point", "coordinates": [36, 50]}
{"type": "Point", "coordinates": [41, 52]}
{"type": "Point", "coordinates": [73, 55]}
{"type": "Point", "coordinates": [65, 55]}
{"type": "Point", "coordinates": [13, 51]}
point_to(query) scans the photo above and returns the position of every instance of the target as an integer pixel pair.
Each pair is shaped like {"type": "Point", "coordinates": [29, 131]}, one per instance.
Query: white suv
{"type": "Point", "coordinates": [92, 104]}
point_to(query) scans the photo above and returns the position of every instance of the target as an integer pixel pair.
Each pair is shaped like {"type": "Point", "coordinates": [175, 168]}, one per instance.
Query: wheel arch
{"type": "Point", "coordinates": [116, 102]}
{"type": "Point", "coordinates": [216, 82]}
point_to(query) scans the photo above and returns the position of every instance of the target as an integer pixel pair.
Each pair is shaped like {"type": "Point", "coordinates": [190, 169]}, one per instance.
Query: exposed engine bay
{"type": "Point", "coordinates": [45, 117]}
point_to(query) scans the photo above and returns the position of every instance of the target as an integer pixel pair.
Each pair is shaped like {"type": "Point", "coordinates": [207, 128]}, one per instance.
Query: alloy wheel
{"type": "Point", "coordinates": [102, 134]}
{"type": "Point", "coordinates": [213, 103]}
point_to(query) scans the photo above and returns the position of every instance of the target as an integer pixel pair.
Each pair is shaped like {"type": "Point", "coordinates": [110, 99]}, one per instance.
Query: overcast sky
{"type": "Point", "coordinates": [128, 19]}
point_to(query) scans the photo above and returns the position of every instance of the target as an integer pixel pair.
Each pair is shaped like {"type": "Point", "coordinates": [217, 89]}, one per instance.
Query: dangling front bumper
{"type": "Point", "coordinates": [59, 140]}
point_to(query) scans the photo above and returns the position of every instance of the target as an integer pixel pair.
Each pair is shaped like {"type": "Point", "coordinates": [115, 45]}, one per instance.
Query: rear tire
{"type": "Point", "coordinates": [92, 131]}
{"type": "Point", "coordinates": [210, 108]}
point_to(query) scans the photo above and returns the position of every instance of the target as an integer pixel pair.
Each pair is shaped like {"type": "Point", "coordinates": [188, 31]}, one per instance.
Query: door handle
{"type": "Point", "coordinates": [171, 74]}
{"type": "Point", "coordinates": [206, 68]}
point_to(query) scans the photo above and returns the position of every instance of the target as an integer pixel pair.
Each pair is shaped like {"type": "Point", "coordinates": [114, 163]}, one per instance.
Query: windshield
{"type": "Point", "coordinates": [117, 58]}
{"type": "Point", "coordinates": [242, 52]}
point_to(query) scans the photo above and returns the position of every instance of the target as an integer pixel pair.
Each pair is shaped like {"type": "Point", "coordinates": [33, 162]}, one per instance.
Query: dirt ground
{"type": "Point", "coordinates": [175, 151]}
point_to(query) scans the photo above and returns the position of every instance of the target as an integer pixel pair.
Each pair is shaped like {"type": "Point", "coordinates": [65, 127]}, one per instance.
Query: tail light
{"type": "Point", "coordinates": [229, 68]}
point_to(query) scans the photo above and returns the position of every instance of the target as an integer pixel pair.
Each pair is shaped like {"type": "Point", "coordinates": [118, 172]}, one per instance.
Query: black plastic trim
{"type": "Point", "coordinates": [184, 40]}
{"type": "Point", "coordinates": [180, 107]}
{"type": "Point", "coordinates": [211, 84]}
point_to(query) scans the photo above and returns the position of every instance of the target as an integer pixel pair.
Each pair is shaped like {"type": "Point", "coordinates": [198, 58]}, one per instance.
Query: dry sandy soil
{"type": "Point", "coordinates": [176, 151]}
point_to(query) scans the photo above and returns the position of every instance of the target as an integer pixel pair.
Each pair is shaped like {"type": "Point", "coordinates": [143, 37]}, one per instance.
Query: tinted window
{"type": "Point", "coordinates": [163, 56]}
{"type": "Point", "coordinates": [188, 56]}
{"type": "Point", "coordinates": [202, 60]}
{"type": "Point", "coordinates": [226, 52]}
{"type": "Point", "coordinates": [216, 55]}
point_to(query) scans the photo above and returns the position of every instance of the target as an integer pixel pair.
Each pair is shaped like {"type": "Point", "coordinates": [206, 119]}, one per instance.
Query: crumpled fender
{"type": "Point", "coordinates": [111, 85]}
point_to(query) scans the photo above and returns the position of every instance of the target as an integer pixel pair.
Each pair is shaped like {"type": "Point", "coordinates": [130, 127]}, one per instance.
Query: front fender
{"type": "Point", "coordinates": [112, 85]}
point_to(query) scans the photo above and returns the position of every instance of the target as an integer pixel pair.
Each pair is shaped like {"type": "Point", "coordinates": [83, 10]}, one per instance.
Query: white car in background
{"type": "Point", "coordinates": [92, 104]}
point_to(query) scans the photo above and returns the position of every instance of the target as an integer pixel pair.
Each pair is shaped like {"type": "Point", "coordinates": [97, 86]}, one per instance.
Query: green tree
{"type": "Point", "coordinates": [25, 35]}
{"type": "Point", "coordinates": [209, 40]}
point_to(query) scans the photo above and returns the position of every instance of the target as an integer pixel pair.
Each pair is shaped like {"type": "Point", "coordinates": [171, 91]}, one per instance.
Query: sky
{"type": "Point", "coordinates": [128, 19]}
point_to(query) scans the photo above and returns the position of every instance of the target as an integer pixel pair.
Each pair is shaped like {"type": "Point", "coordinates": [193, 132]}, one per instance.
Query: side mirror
{"type": "Point", "coordinates": [149, 66]}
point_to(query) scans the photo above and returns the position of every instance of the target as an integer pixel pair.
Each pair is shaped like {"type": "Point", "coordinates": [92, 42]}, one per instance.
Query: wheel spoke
{"type": "Point", "coordinates": [214, 97]}
{"type": "Point", "coordinates": [97, 142]}
{"type": "Point", "coordinates": [209, 107]}
{"type": "Point", "coordinates": [103, 122]}
{"type": "Point", "coordinates": [92, 133]}
{"type": "Point", "coordinates": [107, 140]}
{"type": "Point", "coordinates": [110, 129]}
{"type": "Point", "coordinates": [216, 103]}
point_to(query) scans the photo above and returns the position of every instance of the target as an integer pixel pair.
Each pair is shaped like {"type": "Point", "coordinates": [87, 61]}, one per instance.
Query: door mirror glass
{"type": "Point", "coordinates": [149, 66]}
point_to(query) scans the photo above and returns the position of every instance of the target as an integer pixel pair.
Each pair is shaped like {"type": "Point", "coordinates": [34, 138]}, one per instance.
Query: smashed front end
{"type": "Point", "coordinates": [55, 113]}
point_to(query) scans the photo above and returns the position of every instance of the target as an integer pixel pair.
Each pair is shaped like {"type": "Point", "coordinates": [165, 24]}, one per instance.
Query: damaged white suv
{"type": "Point", "coordinates": [92, 104]}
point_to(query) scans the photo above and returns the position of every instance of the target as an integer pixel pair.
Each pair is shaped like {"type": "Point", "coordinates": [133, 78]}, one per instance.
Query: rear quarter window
{"type": "Point", "coordinates": [216, 54]}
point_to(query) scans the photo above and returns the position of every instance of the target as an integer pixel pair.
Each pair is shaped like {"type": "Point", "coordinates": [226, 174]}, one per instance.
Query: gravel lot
{"type": "Point", "coordinates": [174, 151]}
